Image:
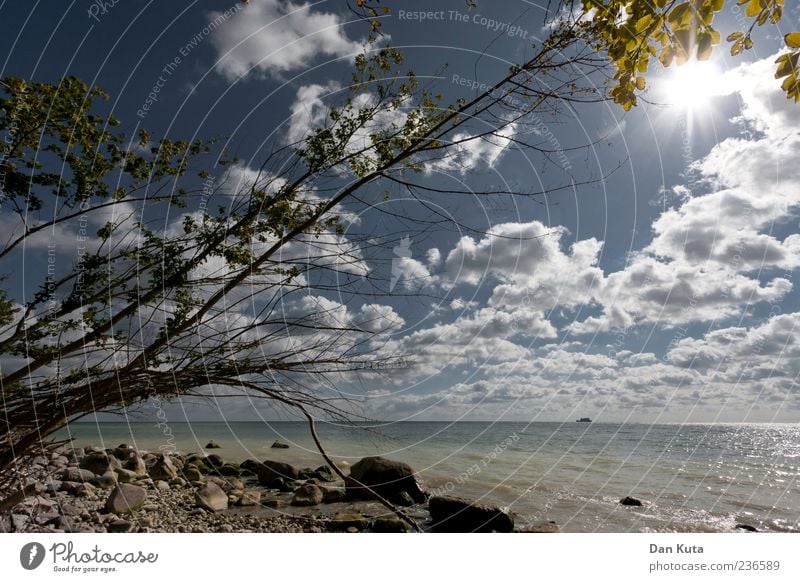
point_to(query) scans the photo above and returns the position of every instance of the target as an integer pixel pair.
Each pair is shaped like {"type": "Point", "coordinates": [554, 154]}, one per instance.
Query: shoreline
{"type": "Point", "coordinates": [91, 490]}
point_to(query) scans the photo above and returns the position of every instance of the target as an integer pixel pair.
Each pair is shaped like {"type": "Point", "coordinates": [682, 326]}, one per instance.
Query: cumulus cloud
{"type": "Point", "coordinates": [708, 253]}
{"type": "Point", "coordinates": [270, 37]}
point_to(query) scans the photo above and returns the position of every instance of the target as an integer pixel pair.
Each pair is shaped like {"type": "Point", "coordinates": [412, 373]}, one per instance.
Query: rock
{"type": "Point", "coordinates": [307, 495]}
{"type": "Point", "coordinates": [213, 445]}
{"type": "Point", "coordinates": [279, 445]}
{"type": "Point", "coordinates": [119, 526]}
{"type": "Point", "coordinates": [192, 473]}
{"type": "Point", "coordinates": [69, 487]}
{"type": "Point", "coordinates": [249, 498]}
{"type": "Point", "coordinates": [273, 502]}
{"type": "Point", "coordinates": [229, 470]}
{"type": "Point", "coordinates": [63, 523]}
{"type": "Point", "coordinates": [250, 465]}
{"type": "Point", "coordinates": [745, 527]}
{"type": "Point", "coordinates": [352, 530]}
{"type": "Point", "coordinates": [106, 481]}
{"type": "Point", "coordinates": [542, 527]}
{"type": "Point", "coordinates": [161, 468]}
{"type": "Point", "coordinates": [213, 460]}
{"type": "Point", "coordinates": [53, 486]}
{"type": "Point", "coordinates": [403, 499]}
{"type": "Point", "coordinates": [125, 476]}
{"type": "Point", "coordinates": [76, 475]}
{"type": "Point", "coordinates": [100, 463]}
{"type": "Point", "coordinates": [333, 496]}
{"type": "Point", "coordinates": [177, 482]}
{"type": "Point", "coordinates": [388, 478]}
{"type": "Point", "coordinates": [18, 522]}
{"type": "Point", "coordinates": [455, 514]}
{"type": "Point", "coordinates": [85, 490]}
{"type": "Point", "coordinates": [270, 472]}
{"type": "Point", "coordinates": [72, 510]}
{"type": "Point", "coordinates": [162, 485]}
{"type": "Point", "coordinates": [287, 485]}
{"type": "Point", "coordinates": [630, 501]}
{"type": "Point", "coordinates": [390, 524]}
{"type": "Point", "coordinates": [126, 498]}
{"type": "Point", "coordinates": [211, 497]}
{"type": "Point", "coordinates": [136, 464]}
{"type": "Point", "coordinates": [344, 520]}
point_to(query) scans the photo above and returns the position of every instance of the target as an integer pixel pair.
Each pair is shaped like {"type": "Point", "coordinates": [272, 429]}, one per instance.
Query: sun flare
{"type": "Point", "coordinates": [692, 85]}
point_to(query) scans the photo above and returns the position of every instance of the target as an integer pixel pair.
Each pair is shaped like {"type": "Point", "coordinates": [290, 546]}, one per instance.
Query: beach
{"type": "Point", "coordinates": [695, 478]}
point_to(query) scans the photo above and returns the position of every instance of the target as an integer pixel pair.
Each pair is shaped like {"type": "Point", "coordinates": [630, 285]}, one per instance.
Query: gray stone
{"type": "Point", "coordinates": [307, 495]}
{"type": "Point", "coordinates": [630, 501]}
{"type": "Point", "coordinates": [249, 498]}
{"type": "Point", "coordinates": [119, 526]}
{"type": "Point", "coordinates": [211, 496]}
{"type": "Point", "coordinates": [136, 464]}
{"type": "Point", "coordinates": [125, 476]}
{"type": "Point", "coordinates": [279, 445]}
{"type": "Point", "coordinates": [270, 472]}
{"type": "Point", "coordinates": [214, 460]}
{"type": "Point", "coordinates": [457, 515]}
{"type": "Point", "coordinates": [192, 473]}
{"type": "Point", "coordinates": [100, 463]}
{"type": "Point", "coordinates": [334, 496]}
{"type": "Point", "coordinates": [106, 481]}
{"type": "Point", "coordinates": [390, 479]}
{"type": "Point", "coordinates": [126, 498]}
{"type": "Point", "coordinates": [344, 520]}
{"type": "Point", "coordinates": [162, 468]}
{"type": "Point", "coordinates": [76, 475]}
{"type": "Point", "coordinates": [213, 445]}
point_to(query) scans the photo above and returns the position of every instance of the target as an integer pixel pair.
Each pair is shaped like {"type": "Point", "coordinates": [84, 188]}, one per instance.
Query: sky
{"type": "Point", "coordinates": [664, 292]}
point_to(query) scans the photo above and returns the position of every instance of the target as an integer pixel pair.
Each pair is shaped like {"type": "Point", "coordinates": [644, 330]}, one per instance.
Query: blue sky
{"type": "Point", "coordinates": [666, 292]}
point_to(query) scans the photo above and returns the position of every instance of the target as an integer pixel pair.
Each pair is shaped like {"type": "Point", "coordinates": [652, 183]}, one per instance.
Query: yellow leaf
{"type": "Point", "coordinates": [641, 83]}
{"type": "Point", "coordinates": [792, 39]}
{"type": "Point", "coordinates": [666, 56]}
{"type": "Point", "coordinates": [753, 8]}
{"type": "Point", "coordinates": [734, 36]}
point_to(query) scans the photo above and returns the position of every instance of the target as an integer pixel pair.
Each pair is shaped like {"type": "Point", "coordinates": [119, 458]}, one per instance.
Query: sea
{"type": "Point", "coordinates": [689, 477]}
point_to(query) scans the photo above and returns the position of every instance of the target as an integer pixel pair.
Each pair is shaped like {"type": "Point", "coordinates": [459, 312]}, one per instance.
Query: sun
{"type": "Point", "coordinates": [693, 85]}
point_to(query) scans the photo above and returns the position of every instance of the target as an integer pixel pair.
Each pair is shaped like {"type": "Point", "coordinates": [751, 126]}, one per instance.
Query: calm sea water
{"type": "Point", "coordinates": [690, 477]}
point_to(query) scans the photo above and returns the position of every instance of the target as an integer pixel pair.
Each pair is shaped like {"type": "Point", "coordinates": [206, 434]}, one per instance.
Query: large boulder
{"type": "Point", "coordinates": [307, 495]}
{"type": "Point", "coordinates": [271, 472]}
{"type": "Point", "coordinates": [161, 468]}
{"type": "Point", "coordinates": [458, 515]}
{"type": "Point", "coordinates": [630, 501]}
{"type": "Point", "coordinates": [392, 480]}
{"type": "Point", "coordinates": [100, 463]}
{"type": "Point", "coordinates": [126, 498]}
{"type": "Point", "coordinates": [211, 496]}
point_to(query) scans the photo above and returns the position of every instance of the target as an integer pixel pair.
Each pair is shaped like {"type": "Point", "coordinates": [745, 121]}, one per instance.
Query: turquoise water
{"type": "Point", "coordinates": [691, 477]}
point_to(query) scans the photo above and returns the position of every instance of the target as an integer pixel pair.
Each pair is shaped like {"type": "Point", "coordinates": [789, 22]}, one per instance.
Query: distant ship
{"type": "Point", "coordinates": [584, 419]}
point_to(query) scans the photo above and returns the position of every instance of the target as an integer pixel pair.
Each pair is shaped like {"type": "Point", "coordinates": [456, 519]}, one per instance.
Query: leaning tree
{"type": "Point", "coordinates": [159, 275]}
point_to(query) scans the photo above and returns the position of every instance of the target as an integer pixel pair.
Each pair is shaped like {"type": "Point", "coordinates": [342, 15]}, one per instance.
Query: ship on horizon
{"type": "Point", "coordinates": [584, 419]}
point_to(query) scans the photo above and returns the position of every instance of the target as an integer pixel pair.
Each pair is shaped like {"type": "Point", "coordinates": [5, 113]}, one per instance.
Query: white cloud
{"type": "Point", "coordinates": [273, 37]}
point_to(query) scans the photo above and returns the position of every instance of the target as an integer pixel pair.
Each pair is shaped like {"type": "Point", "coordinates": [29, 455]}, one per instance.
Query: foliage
{"type": "Point", "coordinates": [635, 32]}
